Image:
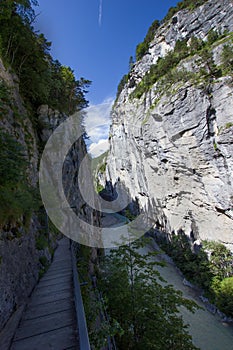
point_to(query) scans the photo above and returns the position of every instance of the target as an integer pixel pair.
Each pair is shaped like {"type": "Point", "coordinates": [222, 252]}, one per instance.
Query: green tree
{"type": "Point", "coordinates": [142, 48]}
{"type": "Point", "coordinates": [131, 63]}
{"type": "Point", "coordinates": [210, 71]}
{"type": "Point", "coordinates": [195, 45]}
{"type": "Point", "coordinates": [146, 308]}
{"type": "Point", "coordinates": [41, 79]}
{"type": "Point", "coordinates": [227, 58]}
{"type": "Point", "coordinates": [221, 259]}
{"type": "Point", "coordinates": [224, 296]}
{"type": "Point", "coordinates": [16, 198]}
{"type": "Point", "coordinates": [213, 35]}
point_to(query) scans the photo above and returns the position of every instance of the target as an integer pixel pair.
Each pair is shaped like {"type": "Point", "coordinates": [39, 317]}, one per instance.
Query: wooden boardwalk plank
{"type": "Point", "coordinates": [50, 277]}
{"type": "Point", "coordinates": [51, 288]}
{"type": "Point", "coordinates": [60, 339]}
{"type": "Point", "coordinates": [51, 297]}
{"type": "Point", "coordinates": [49, 321]}
{"type": "Point", "coordinates": [48, 291]}
{"type": "Point", "coordinates": [52, 281]}
{"type": "Point", "coordinates": [47, 309]}
{"type": "Point", "coordinates": [45, 324]}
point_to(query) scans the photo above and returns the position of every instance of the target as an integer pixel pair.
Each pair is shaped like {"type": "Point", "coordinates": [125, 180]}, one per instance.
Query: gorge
{"type": "Point", "coordinates": [171, 152]}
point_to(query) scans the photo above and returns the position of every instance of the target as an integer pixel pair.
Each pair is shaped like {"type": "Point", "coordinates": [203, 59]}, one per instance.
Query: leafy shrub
{"type": "Point", "coordinates": [5, 97]}
{"type": "Point", "coordinates": [224, 296]}
{"type": "Point", "coordinates": [121, 85]}
{"type": "Point", "coordinates": [213, 36]}
{"type": "Point", "coordinates": [102, 168]}
{"type": "Point", "coordinates": [16, 197]}
{"type": "Point", "coordinates": [208, 271]}
{"type": "Point", "coordinates": [190, 4]}
{"type": "Point", "coordinates": [42, 80]}
{"type": "Point", "coordinates": [162, 67]}
{"type": "Point", "coordinates": [227, 58]}
{"type": "Point", "coordinates": [41, 242]}
{"type": "Point", "coordinates": [44, 261]}
{"type": "Point", "coordinates": [228, 125]}
{"type": "Point", "coordinates": [165, 67]}
{"type": "Point", "coordinates": [142, 48]}
{"type": "Point", "coordinates": [220, 259]}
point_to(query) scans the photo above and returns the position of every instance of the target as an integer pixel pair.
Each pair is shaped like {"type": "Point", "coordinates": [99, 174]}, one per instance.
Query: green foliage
{"type": "Point", "coordinates": [102, 168]}
{"type": "Point", "coordinates": [165, 69]}
{"type": "Point", "coordinates": [205, 270]}
{"type": "Point", "coordinates": [142, 48]}
{"type": "Point", "coordinates": [99, 326]}
{"type": "Point", "coordinates": [121, 85]}
{"type": "Point", "coordinates": [42, 80]}
{"type": "Point", "coordinates": [195, 267]}
{"type": "Point", "coordinates": [213, 36]}
{"type": "Point", "coordinates": [210, 70]}
{"type": "Point", "coordinates": [224, 296]}
{"type": "Point", "coordinates": [141, 302]}
{"type": "Point", "coordinates": [221, 259]}
{"type": "Point", "coordinates": [190, 4]}
{"type": "Point", "coordinates": [131, 63]}
{"type": "Point", "coordinates": [5, 98]}
{"type": "Point", "coordinates": [16, 197]}
{"type": "Point", "coordinates": [99, 187]}
{"type": "Point", "coordinates": [44, 265]}
{"type": "Point", "coordinates": [66, 93]}
{"type": "Point", "coordinates": [44, 261]}
{"type": "Point", "coordinates": [21, 7]}
{"type": "Point", "coordinates": [227, 58]}
{"type": "Point", "coordinates": [129, 215]}
{"type": "Point", "coordinates": [41, 242]}
{"type": "Point", "coordinates": [195, 45]}
{"type": "Point", "coordinates": [181, 51]}
{"type": "Point", "coordinates": [97, 161]}
{"type": "Point", "coordinates": [228, 125]}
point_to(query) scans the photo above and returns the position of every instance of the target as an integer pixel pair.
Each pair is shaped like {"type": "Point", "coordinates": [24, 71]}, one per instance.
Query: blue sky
{"type": "Point", "coordinates": [96, 38]}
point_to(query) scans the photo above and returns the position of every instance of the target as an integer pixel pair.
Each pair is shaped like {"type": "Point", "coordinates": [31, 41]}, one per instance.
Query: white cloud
{"type": "Point", "coordinates": [97, 121]}
{"type": "Point", "coordinates": [96, 149]}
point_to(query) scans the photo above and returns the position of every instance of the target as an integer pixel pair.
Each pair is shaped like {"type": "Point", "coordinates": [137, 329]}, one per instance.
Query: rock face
{"type": "Point", "coordinates": [19, 258]}
{"type": "Point", "coordinates": [20, 255]}
{"type": "Point", "coordinates": [173, 149]}
{"type": "Point", "coordinates": [212, 15]}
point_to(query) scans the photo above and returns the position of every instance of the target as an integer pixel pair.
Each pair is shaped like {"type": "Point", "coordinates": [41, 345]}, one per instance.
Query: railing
{"type": "Point", "coordinates": [80, 313]}
{"type": "Point", "coordinates": [111, 345]}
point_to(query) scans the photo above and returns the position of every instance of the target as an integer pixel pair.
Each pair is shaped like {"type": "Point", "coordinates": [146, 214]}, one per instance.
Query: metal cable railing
{"type": "Point", "coordinates": [111, 345]}
{"type": "Point", "coordinates": [80, 313]}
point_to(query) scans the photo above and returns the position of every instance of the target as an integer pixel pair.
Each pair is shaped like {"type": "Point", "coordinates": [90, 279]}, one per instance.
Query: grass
{"type": "Point", "coordinates": [228, 125]}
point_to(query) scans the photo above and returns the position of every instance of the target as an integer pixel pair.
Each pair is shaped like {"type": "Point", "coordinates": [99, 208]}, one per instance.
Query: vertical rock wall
{"type": "Point", "coordinates": [173, 149]}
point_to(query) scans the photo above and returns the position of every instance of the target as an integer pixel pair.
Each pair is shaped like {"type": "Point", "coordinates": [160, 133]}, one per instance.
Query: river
{"type": "Point", "coordinates": [207, 330]}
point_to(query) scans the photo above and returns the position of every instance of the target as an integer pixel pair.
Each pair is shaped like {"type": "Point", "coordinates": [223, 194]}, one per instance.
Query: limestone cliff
{"type": "Point", "coordinates": [172, 145]}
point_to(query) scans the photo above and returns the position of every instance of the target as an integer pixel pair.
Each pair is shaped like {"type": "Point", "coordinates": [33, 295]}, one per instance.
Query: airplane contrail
{"type": "Point", "coordinates": [100, 12]}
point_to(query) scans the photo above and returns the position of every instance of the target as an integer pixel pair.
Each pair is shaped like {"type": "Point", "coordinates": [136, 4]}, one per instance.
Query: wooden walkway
{"type": "Point", "coordinates": [49, 321]}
